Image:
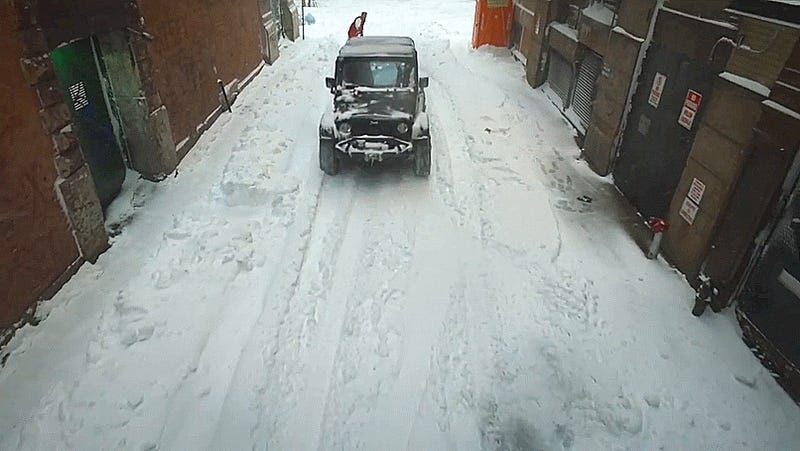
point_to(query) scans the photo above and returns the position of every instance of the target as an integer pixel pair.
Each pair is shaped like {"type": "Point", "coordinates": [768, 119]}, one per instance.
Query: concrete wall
{"type": "Point", "coordinates": [716, 160]}
{"type": "Point", "coordinates": [191, 51]}
{"type": "Point", "coordinates": [611, 102]}
{"type": "Point", "coordinates": [534, 15]}
{"type": "Point", "coordinates": [537, 73]}
{"type": "Point", "coordinates": [593, 34]}
{"type": "Point", "coordinates": [36, 245]}
{"type": "Point", "coordinates": [634, 16]}
{"type": "Point", "coordinates": [724, 142]}
{"type": "Point", "coordinates": [620, 60]}
{"type": "Point", "coordinates": [712, 9]}
{"type": "Point", "coordinates": [147, 132]}
{"type": "Point", "coordinates": [774, 45]}
{"type": "Point", "coordinates": [269, 32]}
{"type": "Point", "coordinates": [753, 201]}
{"type": "Point", "coordinates": [563, 44]}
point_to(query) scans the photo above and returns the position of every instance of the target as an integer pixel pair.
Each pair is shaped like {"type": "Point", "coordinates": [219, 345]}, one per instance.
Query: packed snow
{"type": "Point", "coordinates": [781, 109]}
{"type": "Point", "coordinates": [249, 302]}
{"type": "Point", "coordinates": [627, 34]}
{"type": "Point", "coordinates": [746, 83]}
{"type": "Point", "coordinates": [599, 13]}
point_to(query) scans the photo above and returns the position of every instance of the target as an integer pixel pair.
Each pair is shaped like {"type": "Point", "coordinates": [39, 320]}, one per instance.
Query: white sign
{"type": "Point", "coordinates": [689, 210]}
{"type": "Point", "coordinates": [686, 119]}
{"type": "Point", "coordinates": [696, 191]}
{"type": "Point", "coordinates": [658, 88]}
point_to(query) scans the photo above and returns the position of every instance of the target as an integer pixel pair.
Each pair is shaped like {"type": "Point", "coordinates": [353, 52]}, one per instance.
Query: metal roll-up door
{"type": "Point", "coordinates": [559, 76]}
{"type": "Point", "coordinates": [585, 87]}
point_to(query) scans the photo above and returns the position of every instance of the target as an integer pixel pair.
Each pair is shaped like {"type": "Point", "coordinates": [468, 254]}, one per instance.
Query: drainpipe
{"type": "Point", "coordinates": [224, 95]}
{"type": "Point", "coordinates": [637, 72]}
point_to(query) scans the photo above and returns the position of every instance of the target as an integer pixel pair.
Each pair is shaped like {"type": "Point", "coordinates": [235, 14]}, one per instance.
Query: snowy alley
{"type": "Point", "coordinates": [250, 302]}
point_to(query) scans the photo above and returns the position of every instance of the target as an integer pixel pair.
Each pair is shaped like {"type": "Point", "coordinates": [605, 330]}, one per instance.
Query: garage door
{"type": "Point", "coordinates": [585, 87]}
{"type": "Point", "coordinates": [559, 76]}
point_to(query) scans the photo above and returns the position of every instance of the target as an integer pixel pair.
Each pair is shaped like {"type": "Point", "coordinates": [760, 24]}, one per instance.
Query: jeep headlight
{"type": "Point", "coordinates": [345, 128]}
{"type": "Point", "coordinates": [402, 128]}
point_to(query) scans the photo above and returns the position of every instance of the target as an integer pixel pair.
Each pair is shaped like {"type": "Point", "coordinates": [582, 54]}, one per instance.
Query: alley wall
{"type": "Point", "coordinates": [35, 240]}
{"type": "Point", "coordinates": [190, 52]}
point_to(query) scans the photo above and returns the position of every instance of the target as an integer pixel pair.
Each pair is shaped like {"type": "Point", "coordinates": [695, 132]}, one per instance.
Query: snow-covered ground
{"type": "Point", "coordinates": [252, 303]}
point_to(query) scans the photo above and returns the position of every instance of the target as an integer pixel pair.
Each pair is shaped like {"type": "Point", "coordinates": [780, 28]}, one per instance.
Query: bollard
{"type": "Point", "coordinates": [658, 226]}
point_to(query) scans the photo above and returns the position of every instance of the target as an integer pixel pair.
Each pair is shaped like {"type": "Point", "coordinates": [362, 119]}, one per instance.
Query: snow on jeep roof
{"type": "Point", "coordinates": [379, 46]}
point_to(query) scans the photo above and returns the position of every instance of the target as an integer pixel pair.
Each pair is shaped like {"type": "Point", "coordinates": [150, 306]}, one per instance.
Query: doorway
{"type": "Point", "coordinates": [657, 143]}
{"type": "Point", "coordinates": [78, 67]}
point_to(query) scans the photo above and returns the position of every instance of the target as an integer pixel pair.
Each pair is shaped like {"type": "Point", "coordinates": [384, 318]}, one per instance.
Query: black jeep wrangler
{"type": "Point", "coordinates": [378, 108]}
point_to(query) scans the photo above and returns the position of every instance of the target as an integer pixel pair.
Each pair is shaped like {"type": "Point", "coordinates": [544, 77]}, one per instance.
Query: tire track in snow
{"type": "Point", "coordinates": [231, 336]}
{"type": "Point", "coordinates": [289, 356]}
{"type": "Point", "coordinates": [373, 339]}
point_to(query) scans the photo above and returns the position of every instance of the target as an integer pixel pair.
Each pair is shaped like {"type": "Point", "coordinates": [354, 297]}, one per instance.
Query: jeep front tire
{"type": "Point", "coordinates": [328, 161]}
{"type": "Point", "coordinates": [422, 158]}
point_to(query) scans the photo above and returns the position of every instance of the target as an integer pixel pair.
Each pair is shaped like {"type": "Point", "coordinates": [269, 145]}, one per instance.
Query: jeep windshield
{"type": "Point", "coordinates": [377, 73]}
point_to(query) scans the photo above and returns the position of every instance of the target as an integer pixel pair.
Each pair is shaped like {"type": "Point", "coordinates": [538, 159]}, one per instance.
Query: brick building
{"type": "Point", "coordinates": [93, 88]}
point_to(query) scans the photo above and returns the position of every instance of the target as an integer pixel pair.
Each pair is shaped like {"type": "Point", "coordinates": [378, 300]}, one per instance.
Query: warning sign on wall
{"type": "Point", "coordinates": [659, 82]}
{"type": "Point", "coordinates": [690, 107]}
{"type": "Point", "coordinates": [691, 204]}
{"type": "Point", "coordinates": [686, 118]}
{"type": "Point", "coordinates": [696, 191]}
{"type": "Point", "coordinates": [693, 99]}
{"type": "Point", "coordinates": [689, 210]}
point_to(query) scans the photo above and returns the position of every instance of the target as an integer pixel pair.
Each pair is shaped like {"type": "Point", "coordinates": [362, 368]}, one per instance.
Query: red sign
{"type": "Point", "coordinates": [693, 99]}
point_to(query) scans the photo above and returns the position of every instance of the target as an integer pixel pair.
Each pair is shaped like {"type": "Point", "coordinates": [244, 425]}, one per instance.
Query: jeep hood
{"type": "Point", "coordinates": [391, 103]}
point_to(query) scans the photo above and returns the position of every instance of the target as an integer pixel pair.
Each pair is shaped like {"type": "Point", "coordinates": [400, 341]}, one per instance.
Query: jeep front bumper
{"type": "Point", "coordinates": [374, 148]}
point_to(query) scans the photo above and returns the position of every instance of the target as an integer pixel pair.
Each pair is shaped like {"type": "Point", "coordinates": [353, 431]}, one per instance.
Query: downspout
{"type": "Point", "coordinates": [637, 72]}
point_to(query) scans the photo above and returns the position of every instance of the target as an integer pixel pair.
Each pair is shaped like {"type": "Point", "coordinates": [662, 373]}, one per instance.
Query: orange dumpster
{"type": "Point", "coordinates": [492, 23]}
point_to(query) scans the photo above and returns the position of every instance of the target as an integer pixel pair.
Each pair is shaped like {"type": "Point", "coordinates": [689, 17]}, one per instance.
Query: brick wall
{"type": "Point", "coordinates": [189, 46]}
{"type": "Point", "coordinates": [66, 20]}
{"type": "Point", "coordinates": [36, 246]}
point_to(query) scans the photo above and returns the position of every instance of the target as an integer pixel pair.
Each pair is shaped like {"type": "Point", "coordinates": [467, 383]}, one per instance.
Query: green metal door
{"type": "Point", "coordinates": [77, 71]}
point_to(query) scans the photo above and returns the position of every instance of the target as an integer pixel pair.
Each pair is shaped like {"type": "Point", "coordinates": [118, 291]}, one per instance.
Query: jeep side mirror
{"type": "Point", "coordinates": [330, 82]}
{"type": "Point", "coordinates": [424, 82]}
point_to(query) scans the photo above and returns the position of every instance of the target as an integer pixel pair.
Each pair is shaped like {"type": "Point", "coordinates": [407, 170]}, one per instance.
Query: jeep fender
{"type": "Point", "coordinates": [421, 128]}
{"type": "Point", "coordinates": [327, 126]}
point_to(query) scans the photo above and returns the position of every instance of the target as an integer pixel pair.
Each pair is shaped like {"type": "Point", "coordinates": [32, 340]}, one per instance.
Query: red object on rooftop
{"type": "Point", "coordinates": [492, 23]}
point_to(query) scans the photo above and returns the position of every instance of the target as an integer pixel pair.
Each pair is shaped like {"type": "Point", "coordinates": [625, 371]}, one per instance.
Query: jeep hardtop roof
{"type": "Point", "coordinates": [379, 46]}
